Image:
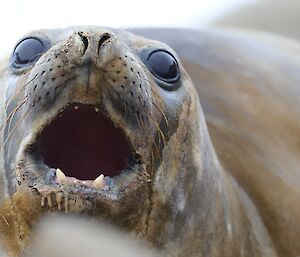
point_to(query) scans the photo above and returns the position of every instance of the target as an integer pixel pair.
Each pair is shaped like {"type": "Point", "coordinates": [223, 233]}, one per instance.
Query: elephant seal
{"type": "Point", "coordinates": [108, 124]}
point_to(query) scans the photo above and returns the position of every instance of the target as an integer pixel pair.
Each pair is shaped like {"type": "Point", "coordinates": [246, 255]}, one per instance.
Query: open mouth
{"type": "Point", "coordinates": [84, 146]}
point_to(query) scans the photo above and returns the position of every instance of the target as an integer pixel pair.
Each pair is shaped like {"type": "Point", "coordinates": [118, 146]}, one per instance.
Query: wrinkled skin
{"type": "Point", "coordinates": [189, 196]}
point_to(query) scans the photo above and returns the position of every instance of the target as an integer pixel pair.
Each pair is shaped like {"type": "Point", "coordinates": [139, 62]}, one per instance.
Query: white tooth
{"type": "Point", "coordinates": [76, 107]}
{"type": "Point", "coordinates": [96, 109]}
{"type": "Point", "coordinates": [99, 182]}
{"type": "Point", "coordinates": [61, 177]}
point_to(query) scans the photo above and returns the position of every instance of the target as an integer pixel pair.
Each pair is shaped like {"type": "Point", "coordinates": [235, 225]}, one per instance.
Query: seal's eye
{"type": "Point", "coordinates": [27, 52]}
{"type": "Point", "coordinates": [163, 65]}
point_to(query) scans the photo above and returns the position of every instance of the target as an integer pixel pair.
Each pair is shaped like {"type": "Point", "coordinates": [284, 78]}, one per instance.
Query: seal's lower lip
{"type": "Point", "coordinates": [84, 146]}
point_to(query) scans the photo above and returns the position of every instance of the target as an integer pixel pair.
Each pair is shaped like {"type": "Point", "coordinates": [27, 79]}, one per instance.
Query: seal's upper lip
{"type": "Point", "coordinates": [83, 145]}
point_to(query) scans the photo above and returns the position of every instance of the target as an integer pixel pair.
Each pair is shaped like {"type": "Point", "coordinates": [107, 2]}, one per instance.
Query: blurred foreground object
{"type": "Point", "coordinates": [62, 236]}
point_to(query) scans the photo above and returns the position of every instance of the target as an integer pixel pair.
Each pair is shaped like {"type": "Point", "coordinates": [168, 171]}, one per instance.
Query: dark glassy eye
{"type": "Point", "coordinates": [27, 52]}
{"type": "Point", "coordinates": [163, 66]}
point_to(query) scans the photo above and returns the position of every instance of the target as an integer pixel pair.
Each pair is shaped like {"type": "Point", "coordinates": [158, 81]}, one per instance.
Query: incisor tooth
{"type": "Point", "coordinates": [76, 107]}
{"type": "Point", "coordinates": [61, 177]}
{"type": "Point", "coordinates": [96, 109]}
{"type": "Point", "coordinates": [99, 182]}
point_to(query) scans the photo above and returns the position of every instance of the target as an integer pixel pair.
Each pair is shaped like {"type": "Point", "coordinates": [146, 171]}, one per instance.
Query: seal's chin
{"type": "Point", "coordinates": [83, 146]}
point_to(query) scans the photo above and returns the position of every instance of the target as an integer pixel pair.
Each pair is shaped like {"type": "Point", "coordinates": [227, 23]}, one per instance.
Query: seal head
{"type": "Point", "coordinates": [108, 124]}
{"type": "Point", "coordinates": [88, 115]}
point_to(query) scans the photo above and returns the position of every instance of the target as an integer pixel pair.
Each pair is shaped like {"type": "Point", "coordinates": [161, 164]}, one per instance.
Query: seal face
{"type": "Point", "coordinates": [88, 106]}
{"type": "Point", "coordinates": [88, 116]}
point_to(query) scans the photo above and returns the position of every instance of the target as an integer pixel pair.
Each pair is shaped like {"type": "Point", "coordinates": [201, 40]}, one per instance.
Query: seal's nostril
{"type": "Point", "coordinates": [102, 39]}
{"type": "Point", "coordinates": [84, 40]}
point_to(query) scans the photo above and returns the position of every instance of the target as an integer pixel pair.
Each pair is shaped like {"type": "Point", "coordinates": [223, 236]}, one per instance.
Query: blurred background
{"type": "Point", "coordinates": [20, 16]}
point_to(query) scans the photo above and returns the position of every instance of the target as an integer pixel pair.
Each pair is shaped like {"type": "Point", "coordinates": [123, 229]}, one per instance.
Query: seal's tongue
{"type": "Point", "coordinates": [84, 143]}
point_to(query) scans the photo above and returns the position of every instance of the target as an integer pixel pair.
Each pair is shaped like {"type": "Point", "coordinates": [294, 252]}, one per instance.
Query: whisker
{"type": "Point", "coordinates": [160, 132]}
{"type": "Point", "coordinates": [13, 130]}
{"type": "Point", "coordinates": [163, 114]}
{"type": "Point", "coordinates": [11, 114]}
{"type": "Point", "coordinates": [151, 85]}
{"type": "Point", "coordinates": [21, 89]}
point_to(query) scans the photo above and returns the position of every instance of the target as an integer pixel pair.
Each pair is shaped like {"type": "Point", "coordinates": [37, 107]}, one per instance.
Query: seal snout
{"type": "Point", "coordinates": [93, 123]}
{"type": "Point", "coordinates": [85, 40]}
{"type": "Point", "coordinates": [90, 110]}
